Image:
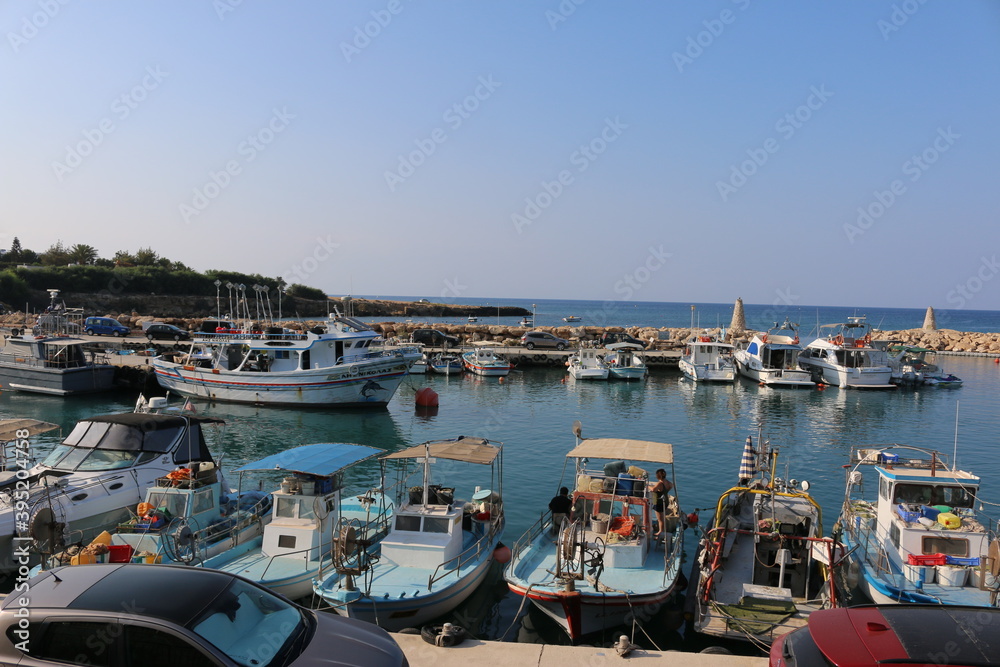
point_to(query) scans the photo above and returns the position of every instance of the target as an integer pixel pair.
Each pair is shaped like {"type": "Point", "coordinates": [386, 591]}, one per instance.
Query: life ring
{"type": "Point", "coordinates": [837, 340]}
{"type": "Point", "coordinates": [763, 338]}
{"type": "Point", "coordinates": [179, 475]}
{"type": "Point", "coordinates": [446, 635]}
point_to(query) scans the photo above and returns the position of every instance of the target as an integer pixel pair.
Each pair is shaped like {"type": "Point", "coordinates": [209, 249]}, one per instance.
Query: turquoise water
{"type": "Point", "coordinates": [532, 411]}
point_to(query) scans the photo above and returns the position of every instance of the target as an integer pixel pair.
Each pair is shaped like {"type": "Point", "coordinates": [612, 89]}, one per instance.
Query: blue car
{"type": "Point", "coordinates": [105, 326]}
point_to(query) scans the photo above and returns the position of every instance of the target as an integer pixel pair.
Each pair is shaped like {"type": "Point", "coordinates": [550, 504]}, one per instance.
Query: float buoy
{"type": "Point", "coordinates": [427, 398]}
{"type": "Point", "coordinates": [692, 519]}
{"type": "Point", "coordinates": [502, 553]}
{"type": "Point", "coordinates": [443, 635]}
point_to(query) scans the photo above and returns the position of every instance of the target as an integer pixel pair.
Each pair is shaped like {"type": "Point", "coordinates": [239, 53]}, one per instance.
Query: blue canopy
{"type": "Point", "coordinates": [322, 459]}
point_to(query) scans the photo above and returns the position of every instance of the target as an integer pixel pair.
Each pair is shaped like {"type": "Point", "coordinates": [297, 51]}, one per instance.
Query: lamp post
{"type": "Point", "coordinates": [229, 286]}
{"type": "Point", "coordinates": [242, 291]}
{"type": "Point", "coordinates": [281, 289]}
{"type": "Point", "coordinates": [266, 289]}
{"type": "Point", "coordinates": [218, 308]}
{"type": "Point", "coordinates": [256, 298]}
{"type": "Point", "coordinates": [692, 316]}
{"type": "Point", "coordinates": [533, 306]}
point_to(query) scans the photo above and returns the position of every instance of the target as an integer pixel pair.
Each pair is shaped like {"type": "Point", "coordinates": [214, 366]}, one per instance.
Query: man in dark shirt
{"type": "Point", "coordinates": [560, 508]}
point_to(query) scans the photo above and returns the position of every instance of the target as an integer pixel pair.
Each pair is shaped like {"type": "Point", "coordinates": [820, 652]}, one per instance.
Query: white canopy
{"type": "Point", "coordinates": [632, 450]}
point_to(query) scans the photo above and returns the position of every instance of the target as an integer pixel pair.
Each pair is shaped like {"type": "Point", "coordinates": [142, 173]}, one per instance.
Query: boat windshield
{"type": "Point", "coordinates": [924, 494]}
{"type": "Point", "coordinates": [69, 458]}
{"type": "Point", "coordinates": [253, 627]}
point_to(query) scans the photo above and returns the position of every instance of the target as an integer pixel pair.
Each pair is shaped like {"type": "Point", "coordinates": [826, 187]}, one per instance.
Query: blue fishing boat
{"type": "Point", "coordinates": [437, 551]}
{"type": "Point", "coordinates": [916, 537]}
{"type": "Point", "coordinates": [604, 563]}
{"type": "Point", "coordinates": [309, 512]}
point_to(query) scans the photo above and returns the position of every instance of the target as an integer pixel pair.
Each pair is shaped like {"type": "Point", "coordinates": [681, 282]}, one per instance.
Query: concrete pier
{"type": "Point", "coordinates": [499, 654]}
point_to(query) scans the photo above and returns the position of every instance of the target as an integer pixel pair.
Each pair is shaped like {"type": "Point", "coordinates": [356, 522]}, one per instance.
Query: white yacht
{"type": "Point", "coordinates": [772, 358]}
{"type": "Point", "coordinates": [846, 358]}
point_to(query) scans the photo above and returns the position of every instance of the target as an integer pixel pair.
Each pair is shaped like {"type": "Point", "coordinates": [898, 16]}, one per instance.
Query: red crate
{"type": "Point", "coordinates": [927, 559]}
{"type": "Point", "coordinates": [120, 553]}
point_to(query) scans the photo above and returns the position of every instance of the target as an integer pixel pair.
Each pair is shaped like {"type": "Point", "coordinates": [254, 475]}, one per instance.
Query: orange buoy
{"type": "Point", "coordinates": [502, 553]}
{"type": "Point", "coordinates": [501, 379]}
{"type": "Point", "coordinates": [692, 519]}
{"type": "Point", "coordinates": [427, 398]}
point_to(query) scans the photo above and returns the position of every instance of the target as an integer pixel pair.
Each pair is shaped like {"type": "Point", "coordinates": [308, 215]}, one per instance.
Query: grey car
{"type": "Point", "coordinates": [534, 339]}
{"type": "Point", "coordinates": [169, 616]}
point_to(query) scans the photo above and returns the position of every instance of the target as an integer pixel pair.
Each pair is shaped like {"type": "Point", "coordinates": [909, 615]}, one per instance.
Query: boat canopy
{"type": "Point", "coordinates": [617, 448]}
{"type": "Point", "coordinates": [130, 432]}
{"type": "Point", "coordinates": [467, 450]}
{"type": "Point", "coordinates": [623, 346]}
{"type": "Point", "coordinates": [322, 459]}
{"type": "Point", "coordinates": [10, 427]}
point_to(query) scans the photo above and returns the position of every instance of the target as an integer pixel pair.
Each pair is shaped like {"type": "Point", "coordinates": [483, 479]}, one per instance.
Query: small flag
{"type": "Point", "coordinates": [189, 406]}
{"type": "Point", "coordinates": [748, 464]}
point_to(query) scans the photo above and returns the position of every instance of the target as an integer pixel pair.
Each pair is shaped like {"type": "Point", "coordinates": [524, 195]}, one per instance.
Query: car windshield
{"type": "Point", "coordinates": [252, 626]}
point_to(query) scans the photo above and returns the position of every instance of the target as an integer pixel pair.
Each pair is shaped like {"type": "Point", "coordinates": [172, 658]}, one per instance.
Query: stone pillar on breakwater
{"type": "Point", "coordinates": [739, 322]}
{"type": "Point", "coordinates": [930, 324]}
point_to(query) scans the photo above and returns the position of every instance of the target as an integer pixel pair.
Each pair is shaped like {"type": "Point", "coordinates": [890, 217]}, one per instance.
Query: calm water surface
{"type": "Point", "coordinates": [532, 411]}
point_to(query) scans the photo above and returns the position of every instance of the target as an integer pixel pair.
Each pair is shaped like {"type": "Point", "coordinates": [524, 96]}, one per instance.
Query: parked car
{"type": "Point", "coordinates": [895, 633]}
{"type": "Point", "coordinates": [166, 331]}
{"type": "Point", "coordinates": [104, 326]}
{"type": "Point", "coordinates": [433, 337]}
{"type": "Point", "coordinates": [533, 339]}
{"type": "Point", "coordinates": [170, 615]}
{"type": "Point", "coordinates": [609, 337]}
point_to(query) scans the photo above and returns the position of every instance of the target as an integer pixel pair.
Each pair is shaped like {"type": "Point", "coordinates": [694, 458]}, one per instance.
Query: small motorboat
{"type": "Point", "coordinates": [572, 318]}
{"type": "Point", "coordinates": [708, 359]}
{"type": "Point", "coordinates": [587, 364]}
{"type": "Point", "coordinates": [483, 360]}
{"type": "Point", "coordinates": [625, 362]}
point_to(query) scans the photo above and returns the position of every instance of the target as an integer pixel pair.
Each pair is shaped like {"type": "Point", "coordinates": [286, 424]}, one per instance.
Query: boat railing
{"type": "Point", "coordinates": [473, 554]}
{"type": "Point", "coordinates": [529, 536]}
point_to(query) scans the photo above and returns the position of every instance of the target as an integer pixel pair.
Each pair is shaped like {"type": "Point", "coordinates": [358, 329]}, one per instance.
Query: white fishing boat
{"type": "Point", "coordinates": [446, 363]}
{"type": "Point", "coordinates": [764, 565]}
{"type": "Point", "coordinates": [625, 361]}
{"type": "Point", "coordinates": [587, 364]}
{"type": "Point", "coordinates": [707, 359]}
{"type": "Point", "coordinates": [51, 364]}
{"type": "Point", "coordinates": [527, 322]}
{"type": "Point", "coordinates": [486, 361]}
{"type": "Point", "coordinates": [846, 358]}
{"type": "Point", "coordinates": [309, 507]}
{"type": "Point", "coordinates": [94, 479]}
{"type": "Point", "coordinates": [339, 364]}
{"type": "Point", "coordinates": [772, 358]}
{"type": "Point", "coordinates": [912, 533]}
{"type": "Point", "coordinates": [572, 318]}
{"type": "Point", "coordinates": [437, 551]}
{"type": "Point", "coordinates": [602, 567]}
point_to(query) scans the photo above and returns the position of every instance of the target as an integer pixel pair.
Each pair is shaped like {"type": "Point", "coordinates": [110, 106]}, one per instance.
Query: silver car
{"type": "Point", "coordinates": [534, 339]}
{"type": "Point", "coordinates": [174, 616]}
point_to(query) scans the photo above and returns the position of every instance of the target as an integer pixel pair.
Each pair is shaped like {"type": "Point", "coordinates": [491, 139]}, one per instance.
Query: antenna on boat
{"type": "Point", "coordinates": [954, 456]}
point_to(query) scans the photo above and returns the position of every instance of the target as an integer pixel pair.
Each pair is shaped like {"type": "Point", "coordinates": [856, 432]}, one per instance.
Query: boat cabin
{"type": "Point", "coordinates": [424, 535]}
{"type": "Point", "coordinates": [298, 526]}
{"type": "Point", "coordinates": [45, 352]}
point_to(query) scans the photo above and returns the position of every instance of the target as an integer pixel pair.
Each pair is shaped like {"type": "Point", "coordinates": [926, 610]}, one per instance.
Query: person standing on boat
{"type": "Point", "coordinates": [560, 507]}
{"type": "Point", "coordinates": [659, 490]}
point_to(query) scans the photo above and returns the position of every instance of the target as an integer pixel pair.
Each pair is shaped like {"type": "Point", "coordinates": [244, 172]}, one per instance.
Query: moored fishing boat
{"type": "Point", "coordinates": [483, 360]}
{"type": "Point", "coordinates": [336, 365]}
{"type": "Point", "coordinates": [308, 508]}
{"type": "Point", "coordinates": [446, 363]}
{"type": "Point", "coordinates": [57, 365]}
{"type": "Point", "coordinates": [707, 359]}
{"type": "Point", "coordinates": [437, 551]}
{"type": "Point", "coordinates": [914, 536]}
{"type": "Point", "coordinates": [604, 563]}
{"type": "Point", "coordinates": [625, 361]}
{"type": "Point", "coordinates": [763, 566]}
{"type": "Point", "coordinates": [587, 364]}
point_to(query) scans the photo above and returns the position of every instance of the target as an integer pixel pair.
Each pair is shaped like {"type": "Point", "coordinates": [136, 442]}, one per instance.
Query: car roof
{"type": "Point", "coordinates": [174, 593]}
{"type": "Point", "coordinates": [919, 634]}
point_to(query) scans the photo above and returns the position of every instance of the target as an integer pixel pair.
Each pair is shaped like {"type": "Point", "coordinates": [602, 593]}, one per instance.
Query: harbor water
{"type": "Point", "coordinates": [532, 411]}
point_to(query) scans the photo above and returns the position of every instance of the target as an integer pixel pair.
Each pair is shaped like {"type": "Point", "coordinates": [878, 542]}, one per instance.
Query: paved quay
{"type": "Point", "coordinates": [498, 654]}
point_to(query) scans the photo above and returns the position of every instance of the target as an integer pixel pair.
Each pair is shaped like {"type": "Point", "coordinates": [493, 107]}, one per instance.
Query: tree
{"type": "Point", "coordinates": [146, 257]}
{"type": "Point", "coordinates": [56, 255]}
{"type": "Point", "coordinates": [83, 254]}
{"type": "Point", "coordinates": [124, 258]}
{"type": "Point", "coordinates": [15, 251]}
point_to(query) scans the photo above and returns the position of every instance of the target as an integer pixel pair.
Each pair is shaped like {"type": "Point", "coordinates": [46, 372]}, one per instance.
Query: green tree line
{"type": "Point", "coordinates": [79, 268]}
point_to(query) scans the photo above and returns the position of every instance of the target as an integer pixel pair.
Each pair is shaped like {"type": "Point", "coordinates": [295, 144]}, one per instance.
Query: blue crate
{"type": "Point", "coordinates": [908, 515]}
{"type": "Point", "coordinates": [955, 560]}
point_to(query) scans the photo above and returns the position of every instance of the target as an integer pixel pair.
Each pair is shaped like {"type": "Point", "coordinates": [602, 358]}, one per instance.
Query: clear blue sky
{"type": "Point", "coordinates": [624, 150]}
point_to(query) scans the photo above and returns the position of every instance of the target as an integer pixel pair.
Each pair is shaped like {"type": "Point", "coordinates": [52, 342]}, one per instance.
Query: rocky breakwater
{"type": "Point", "coordinates": [946, 340]}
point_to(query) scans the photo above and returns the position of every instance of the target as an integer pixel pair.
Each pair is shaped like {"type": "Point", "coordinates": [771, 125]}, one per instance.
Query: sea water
{"type": "Point", "coordinates": [532, 411]}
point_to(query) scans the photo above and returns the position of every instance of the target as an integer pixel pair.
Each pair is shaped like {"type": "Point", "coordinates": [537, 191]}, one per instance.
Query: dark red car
{"type": "Point", "coordinates": [893, 634]}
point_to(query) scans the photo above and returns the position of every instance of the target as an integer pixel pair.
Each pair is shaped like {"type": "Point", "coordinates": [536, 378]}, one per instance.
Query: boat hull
{"type": "Point", "coordinates": [777, 377]}
{"type": "Point", "coordinates": [631, 373]}
{"type": "Point", "coordinates": [56, 381]}
{"type": "Point", "coordinates": [704, 374]}
{"type": "Point", "coordinates": [367, 384]}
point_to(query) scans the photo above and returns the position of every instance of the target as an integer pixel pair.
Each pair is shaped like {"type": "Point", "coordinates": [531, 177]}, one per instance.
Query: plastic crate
{"type": "Point", "coordinates": [955, 560]}
{"type": "Point", "coordinates": [927, 559]}
{"type": "Point", "coordinates": [906, 514]}
{"type": "Point", "coordinates": [120, 553]}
